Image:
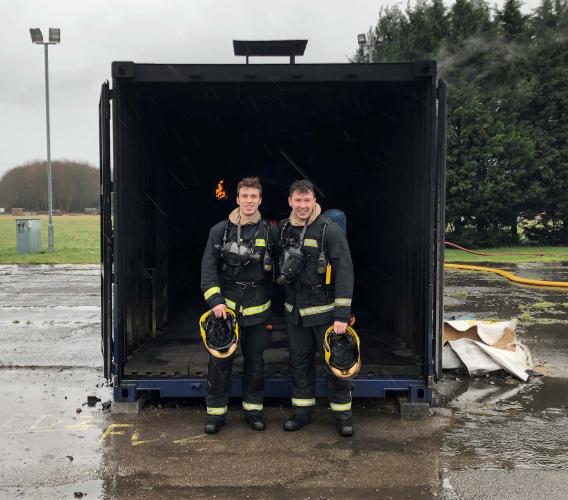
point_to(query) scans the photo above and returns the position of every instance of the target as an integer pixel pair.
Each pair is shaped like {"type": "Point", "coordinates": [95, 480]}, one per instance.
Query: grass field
{"type": "Point", "coordinates": [550, 254]}
{"type": "Point", "coordinates": [77, 242]}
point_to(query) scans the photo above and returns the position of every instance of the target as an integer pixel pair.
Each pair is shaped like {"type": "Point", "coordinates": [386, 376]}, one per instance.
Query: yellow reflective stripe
{"type": "Point", "coordinates": [252, 406]}
{"type": "Point", "coordinates": [340, 406]}
{"type": "Point", "coordinates": [260, 242]}
{"type": "Point", "coordinates": [342, 302]}
{"type": "Point", "coordinates": [249, 311]}
{"type": "Point", "coordinates": [309, 242]}
{"type": "Point", "coordinates": [216, 411]}
{"type": "Point", "coordinates": [211, 291]}
{"type": "Point", "coordinates": [308, 311]}
{"type": "Point", "coordinates": [303, 402]}
{"type": "Point", "coordinates": [230, 304]}
{"type": "Point", "coordinates": [288, 307]}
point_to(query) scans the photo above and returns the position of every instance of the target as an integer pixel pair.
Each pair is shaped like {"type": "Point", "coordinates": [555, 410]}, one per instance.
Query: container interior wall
{"type": "Point", "coordinates": [363, 145]}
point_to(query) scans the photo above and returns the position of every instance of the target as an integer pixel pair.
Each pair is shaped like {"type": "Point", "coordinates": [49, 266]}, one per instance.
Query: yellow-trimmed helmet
{"type": "Point", "coordinates": [220, 336]}
{"type": "Point", "coordinates": [342, 353]}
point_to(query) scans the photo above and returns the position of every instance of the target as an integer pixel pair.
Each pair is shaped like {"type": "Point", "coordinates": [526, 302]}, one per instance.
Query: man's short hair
{"type": "Point", "coordinates": [249, 182]}
{"type": "Point", "coordinates": [302, 186]}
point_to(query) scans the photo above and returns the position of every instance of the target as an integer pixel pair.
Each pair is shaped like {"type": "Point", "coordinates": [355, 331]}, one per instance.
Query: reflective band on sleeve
{"type": "Point", "coordinates": [260, 242]}
{"type": "Point", "coordinates": [288, 307]}
{"type": "Point", "coordinates": [340, 406]}
{"type": "Point", "coordinates": [230, 304]}
{"type": "Point", "coordinates": [303, 402]}
{"type": "Point", "coordinates": [211, 291]}
{"type": "Point", "coordinates": [309, 242]}
{"type": "Point", "coordinates": [343, 302]}
{"type": "Point", "coordinates": [216, 411]}
{"type": "Point", "coordinates": [252, 406]}
{"type": "Point", "coordinates": [308, 311]}
{"type": "Point", "coordinates": [249, 311]}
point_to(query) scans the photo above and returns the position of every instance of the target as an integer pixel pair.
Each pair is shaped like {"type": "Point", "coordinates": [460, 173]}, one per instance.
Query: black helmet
{"type": "Point", "coordinates": [220, 336]}
{"type": "Point", "coordinates": [342, 353]}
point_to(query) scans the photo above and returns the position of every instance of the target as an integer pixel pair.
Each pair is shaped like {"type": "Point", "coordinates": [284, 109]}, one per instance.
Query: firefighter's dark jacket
{"type": "Point", "coordinates": [224, 284]}
{"type": "Point", "coordinates": [308, 297]}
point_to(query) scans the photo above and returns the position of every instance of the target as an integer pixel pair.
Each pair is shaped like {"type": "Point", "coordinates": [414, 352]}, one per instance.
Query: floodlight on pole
{"type": "Point", "coordinates": [54, 35]}
{"type": "Point", "coordinates": [37, 36]}
{"type": "Point", "coordinates": [54, 38]}
{"type": "Point", "coordinates": [362, 41]}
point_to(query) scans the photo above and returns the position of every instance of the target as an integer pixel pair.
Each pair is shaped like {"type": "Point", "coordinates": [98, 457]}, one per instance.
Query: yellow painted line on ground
{"type": "Point", "coordinates": [86, 424]}
{"type": "Point", "coordinates": [194, 439]}
{"type": "Point", "coordinates": [508, 275]}
{"type": "Point", "coordinates": [110, 430]}
{"type": "Point", "coordinates": [136, 441]}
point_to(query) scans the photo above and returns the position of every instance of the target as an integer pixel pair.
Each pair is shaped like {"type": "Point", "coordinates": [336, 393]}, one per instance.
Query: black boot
{"type": "Point", "coordinates": [296, 422]}
{"type": "Point", "coordinates": [213, 424]}
{"type": "Point", "coordinates": [256, 421]}
{"type": "Point", "coordinates": [344, 426]}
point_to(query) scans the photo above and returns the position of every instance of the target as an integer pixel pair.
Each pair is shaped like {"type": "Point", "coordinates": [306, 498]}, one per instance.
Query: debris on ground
{"type": "Point", "coordinates": [92, 400]}
{"type": "Point", "coordinates": [483, 346]}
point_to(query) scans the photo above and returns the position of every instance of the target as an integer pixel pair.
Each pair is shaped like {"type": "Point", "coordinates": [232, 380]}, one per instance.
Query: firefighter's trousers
{"type": "Point", "coordinates": [303, 343]}
{"type": "Point", "coordinates": [253, 341]}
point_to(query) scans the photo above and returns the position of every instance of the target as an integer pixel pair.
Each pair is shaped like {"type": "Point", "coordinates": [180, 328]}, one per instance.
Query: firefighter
{"type": "Point", "coordinates": [236, 273]}
{"type": "Point", "coordinates": [317, 272]}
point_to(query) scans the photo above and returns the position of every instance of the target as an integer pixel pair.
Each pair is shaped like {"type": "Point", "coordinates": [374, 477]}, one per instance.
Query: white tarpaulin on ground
{"type": "Point", "coordinates": [484, 347]}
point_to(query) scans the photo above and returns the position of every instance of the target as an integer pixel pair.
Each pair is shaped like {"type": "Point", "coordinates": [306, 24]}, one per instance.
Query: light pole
{"type": "Point", "coordinates": [54, 38]}
{"type": "Point", "coordinates": [362, 41]}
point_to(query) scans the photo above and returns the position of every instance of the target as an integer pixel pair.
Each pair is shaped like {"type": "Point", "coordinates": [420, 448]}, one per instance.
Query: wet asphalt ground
{"type": "Point", "coordinates": [489, 437]}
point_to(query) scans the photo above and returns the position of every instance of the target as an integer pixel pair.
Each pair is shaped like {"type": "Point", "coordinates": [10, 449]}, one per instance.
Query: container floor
{"type": "Point", "coordinates": [178, 351]}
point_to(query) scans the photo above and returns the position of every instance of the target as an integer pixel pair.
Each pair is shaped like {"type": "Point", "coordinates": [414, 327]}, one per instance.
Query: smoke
{"type": "Point", "coordinates": [472, 50]}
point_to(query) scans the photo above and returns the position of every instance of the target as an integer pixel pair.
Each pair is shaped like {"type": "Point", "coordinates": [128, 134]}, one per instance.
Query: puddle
{"type": "Point", "coordinates": [499, 422]}
{"type": "Point", "coordinates": [500, 426]}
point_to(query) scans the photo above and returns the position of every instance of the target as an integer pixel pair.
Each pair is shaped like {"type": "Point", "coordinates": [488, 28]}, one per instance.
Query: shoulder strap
{"type": "Point", "coordinates": [266, 233]}
{"type": "Point", "coordinates": [226, 231]}
{"type": "Point", "coordinates": [286, 224]}
{"type": "Point", "coordinates": [326, 222]}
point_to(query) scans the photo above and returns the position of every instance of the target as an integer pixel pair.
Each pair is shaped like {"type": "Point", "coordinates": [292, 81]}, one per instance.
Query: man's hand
{"type": "Point", "coordinates": [220, 310]}
{"type": "Point", "coordinates": [339, 327]}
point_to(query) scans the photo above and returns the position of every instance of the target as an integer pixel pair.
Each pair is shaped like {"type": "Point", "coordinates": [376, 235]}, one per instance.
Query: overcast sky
{"type": "Point", "coordinates": [96, 32]}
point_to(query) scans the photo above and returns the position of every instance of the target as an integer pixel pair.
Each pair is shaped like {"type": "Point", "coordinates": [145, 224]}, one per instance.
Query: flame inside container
{"type": "Point", "coordinates": [220, 192]}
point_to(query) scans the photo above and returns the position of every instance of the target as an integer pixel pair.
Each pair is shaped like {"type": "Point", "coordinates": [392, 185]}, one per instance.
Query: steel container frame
{"type": "Point", "coordinates": [114, 226]}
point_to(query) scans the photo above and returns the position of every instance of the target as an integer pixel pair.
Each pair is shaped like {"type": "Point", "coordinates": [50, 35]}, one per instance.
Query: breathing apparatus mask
{"type": "Point", "coordinates": [237, 254]}
{"type": "Point", "coordinates": [293, 258]}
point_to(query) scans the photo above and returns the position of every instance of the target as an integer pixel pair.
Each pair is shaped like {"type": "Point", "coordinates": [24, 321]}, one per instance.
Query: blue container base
{"type": "Point", "coordinates": [415, 389]}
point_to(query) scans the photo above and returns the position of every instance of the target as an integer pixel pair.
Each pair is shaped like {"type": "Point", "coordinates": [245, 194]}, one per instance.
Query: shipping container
{"type": "Point", "coordinates": [174, 141]}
